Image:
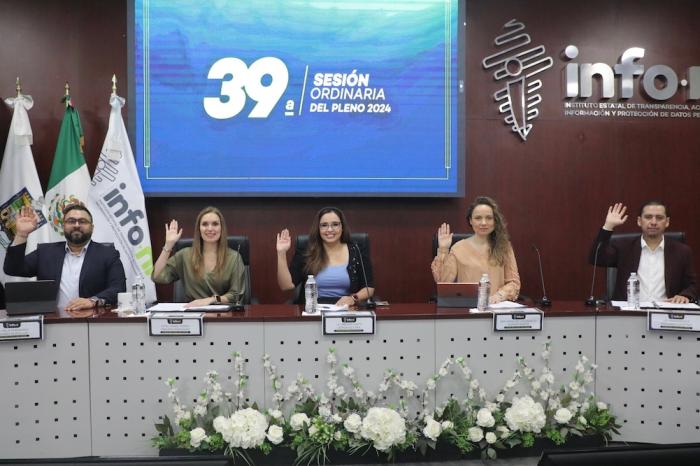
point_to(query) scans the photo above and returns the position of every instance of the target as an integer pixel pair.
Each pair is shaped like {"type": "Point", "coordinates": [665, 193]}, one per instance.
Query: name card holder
{"type": "Point", "coordinates": [679, 321]}
{"type": "Point", "coordinates": [22, 328]}
{"type": "Point", "coordinates": [348, 323]}
{"type": "Point", "coordinates": [170, 324]}
{"type": "Point", "coordinates": [530, 319]}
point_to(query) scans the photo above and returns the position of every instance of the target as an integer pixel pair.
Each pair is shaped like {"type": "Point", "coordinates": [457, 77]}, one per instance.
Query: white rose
{"type": "Point", "coordinates": [197, 436]}
{"type": "Point", "coordinates": [312, 430]}
{"type": "Point", "coordinates": [447, 425]}
{"type": "Point", "coordinates": [490, 437]}
{"type": "Point", "coordinates": [275, 434]}
{"type": "Point", "coordinates": [275, 414]}
{"type": "Point", "coordinates": [298, 420]}
{"type": "Point", "coordinates": [582, 420]}
{"type": "Point", "coordinates": [475, 434]}
{"type": "Point", "coordinates": [432, 429]}
{"type": "Point", "coordinates": [562, 416]}
{"type": "Point", "coordinates": [336, 419]}
{"type": "Point", "coordinates": [601, 406]}
{"type": "Point", "coordinates": [484, 418]}
{"type": "Point", "coordinates": [353, 423]}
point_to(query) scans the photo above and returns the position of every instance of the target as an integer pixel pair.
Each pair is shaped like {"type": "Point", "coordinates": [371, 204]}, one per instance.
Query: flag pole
{"type": "Point", "coordinates": [114, 84]}
{"type": "Point", "coordinates": [67, 96]}
{"type": "Point", "coordinates": [18, 87]}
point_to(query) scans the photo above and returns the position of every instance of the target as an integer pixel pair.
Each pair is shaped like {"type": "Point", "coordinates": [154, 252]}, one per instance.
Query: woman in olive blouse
{"type": "Point", "coordinates": [211, 271]}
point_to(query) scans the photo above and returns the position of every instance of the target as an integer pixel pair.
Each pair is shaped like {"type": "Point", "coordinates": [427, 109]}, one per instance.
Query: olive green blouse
{"type": "Point", "coordinates": [229, 283]}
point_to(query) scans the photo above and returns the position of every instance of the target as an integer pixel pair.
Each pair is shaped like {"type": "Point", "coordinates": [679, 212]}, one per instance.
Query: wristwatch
{"type": "Point", "coordinates": [97, 302]}
{"type": "Point", "coordinates": [355, 298]}
{"type": "Point", "coordinates": [217, 298]}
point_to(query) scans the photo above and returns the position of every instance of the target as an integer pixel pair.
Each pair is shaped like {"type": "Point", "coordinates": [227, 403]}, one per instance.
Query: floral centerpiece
{"type": "Point", "coordinates": [348, 419]}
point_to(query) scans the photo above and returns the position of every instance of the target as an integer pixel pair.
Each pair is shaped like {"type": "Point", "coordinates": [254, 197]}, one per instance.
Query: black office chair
{"type": "Point", "coordinates": [455, 237]}
{"type": "Point", "coordinates": [302, 242]}
{"type": "Point", "coordinates": [612, 271]}
{"type": "Point", "coordinates": [234, 242]}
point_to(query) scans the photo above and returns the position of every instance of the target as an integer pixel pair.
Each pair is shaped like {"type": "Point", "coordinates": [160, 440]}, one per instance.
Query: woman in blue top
{"type": "Point", "coordinates": [330, 257]}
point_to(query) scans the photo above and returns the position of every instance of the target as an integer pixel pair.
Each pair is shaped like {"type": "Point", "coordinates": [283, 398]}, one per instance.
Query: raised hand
{"type": "Point", "coordinates": [172, 234]}
{"type": "Point", "coordinates": [284, 241]}
{"type": "Point", "coordinates": [26, 222]}
{"type": "Point", "coordinates": [616, 216]}
{"type": "Point", "coordinates": [444, 236]}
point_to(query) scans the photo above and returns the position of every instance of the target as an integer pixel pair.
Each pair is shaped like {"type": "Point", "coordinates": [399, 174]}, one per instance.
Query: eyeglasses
{"type": "Point", "coordinates": [77, 221]}
{"type": "Point", "coordinates": [330, 226]}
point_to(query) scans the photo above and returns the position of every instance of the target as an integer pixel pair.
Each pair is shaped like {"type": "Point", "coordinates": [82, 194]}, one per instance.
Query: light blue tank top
{"type": "Point", "coordinates": [333, 281]}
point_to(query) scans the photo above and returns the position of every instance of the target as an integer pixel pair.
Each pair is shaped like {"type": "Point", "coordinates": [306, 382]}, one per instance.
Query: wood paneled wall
{"type": "Point", "coordinates": [553, 189]}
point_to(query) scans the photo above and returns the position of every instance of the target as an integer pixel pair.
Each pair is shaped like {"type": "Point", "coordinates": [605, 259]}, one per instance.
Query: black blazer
{"type": "Point", "coordinates": [624, 254]}
{"type": "Point", "coordinates": [102, 274]}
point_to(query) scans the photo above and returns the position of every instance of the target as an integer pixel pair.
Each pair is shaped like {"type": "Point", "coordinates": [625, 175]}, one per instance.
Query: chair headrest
{"type": "Point", "coordinates": [362, 240]}
{"type": "Point", "coordinates": [674, 235]}
{"type": "Point", "coordinates": [233, 242]}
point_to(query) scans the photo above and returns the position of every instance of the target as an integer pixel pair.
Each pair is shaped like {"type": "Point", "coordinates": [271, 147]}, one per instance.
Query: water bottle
{"type": "Point", "coordinates": [633, 291]}
{"type": "Point", "coordinates": [484, 293]}
{"type": "Point", "coordinates": [138, 296]}
{"type": "Point", "coordinates": [310, 295]}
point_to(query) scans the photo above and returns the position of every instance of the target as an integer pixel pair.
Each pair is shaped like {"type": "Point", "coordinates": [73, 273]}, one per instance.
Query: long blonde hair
{"type": "Point", "coordinates": [198, 243]}
{"type": "Point", "coordinates": [499, 240]}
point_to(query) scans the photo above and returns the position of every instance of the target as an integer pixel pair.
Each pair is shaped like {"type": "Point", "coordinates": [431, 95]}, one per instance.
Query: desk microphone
{"type": "Point", "coordinates": [545, 301]}
{"type": "Point", "coordinates": [237, 306]}
{"type": "Point", "coordinates": [592, 301]}
{"type": "Point", "coordinates": [370, 304]}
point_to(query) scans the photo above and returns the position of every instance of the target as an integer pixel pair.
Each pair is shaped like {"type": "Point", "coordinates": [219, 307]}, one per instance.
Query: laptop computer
{"type": "Point", "coordinates": [464, 295]}
{"type": "Point", "coordinates": [38, 297]}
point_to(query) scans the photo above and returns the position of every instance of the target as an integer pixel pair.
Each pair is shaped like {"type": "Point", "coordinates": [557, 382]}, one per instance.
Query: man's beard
{"type": "Point", "coordinates": [77, 237]}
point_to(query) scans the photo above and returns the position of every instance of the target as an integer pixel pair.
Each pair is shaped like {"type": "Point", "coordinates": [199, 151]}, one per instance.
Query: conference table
{"type": "Point", "coordinates": [96, 384]}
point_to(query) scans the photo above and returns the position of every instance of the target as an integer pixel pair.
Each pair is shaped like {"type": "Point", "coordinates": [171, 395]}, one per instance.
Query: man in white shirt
{"type": "Point", "coordinates": [664, 266]}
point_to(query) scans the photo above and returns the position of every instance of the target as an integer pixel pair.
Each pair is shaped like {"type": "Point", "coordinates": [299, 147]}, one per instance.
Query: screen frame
{"type": "Point", "coordinates": [460, 125]}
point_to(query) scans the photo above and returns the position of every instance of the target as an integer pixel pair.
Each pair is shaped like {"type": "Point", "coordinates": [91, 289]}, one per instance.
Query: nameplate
{"type": "Point", "coordinates": [530, 319]}
{"type": "Point", "coordinates": [679, 321]}
{"type": "Point", "coordinates": [348, 323]}
{"type": "Point", "coordinates": [169, 324]}
{"type": "Point", "coordinates": [22, 328]}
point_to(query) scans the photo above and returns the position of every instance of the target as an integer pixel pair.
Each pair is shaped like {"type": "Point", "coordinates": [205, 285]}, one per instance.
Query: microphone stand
{"type": "Point", "coordinates": [592, 301]}
{"type": "Point", "coordinates": [545, 301]}
{"type": "Point", "coordinates": [369, 303]}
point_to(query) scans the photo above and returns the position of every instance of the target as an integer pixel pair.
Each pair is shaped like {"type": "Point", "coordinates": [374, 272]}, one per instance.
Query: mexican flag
{"type": "Point", "coordinates": [19, 182]}
{"type": "Point", "coordinates": [69, 180]}
{"type": "Point", "coordinates": [117, 203]}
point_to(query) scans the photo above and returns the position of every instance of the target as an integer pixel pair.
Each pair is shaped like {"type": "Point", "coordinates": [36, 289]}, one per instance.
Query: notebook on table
{"type": "Point", "coordinates": [37, 297]}
{"type": "Point", "coordinates": [463, 295]}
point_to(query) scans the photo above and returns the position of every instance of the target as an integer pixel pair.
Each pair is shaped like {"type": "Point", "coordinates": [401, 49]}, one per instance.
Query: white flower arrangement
{"type": "Point", "coordinates": [348, 418]}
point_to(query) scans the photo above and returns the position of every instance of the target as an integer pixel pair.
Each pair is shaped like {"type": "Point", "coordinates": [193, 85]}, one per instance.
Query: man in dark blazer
{"type": "Point", "coordinates": [664, 266]}
{"type": "Point", "coordinates": [89, 274]}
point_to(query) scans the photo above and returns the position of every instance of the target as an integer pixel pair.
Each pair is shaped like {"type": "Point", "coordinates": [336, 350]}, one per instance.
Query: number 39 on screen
{"type": "Point", "coordinates": [246, 82]}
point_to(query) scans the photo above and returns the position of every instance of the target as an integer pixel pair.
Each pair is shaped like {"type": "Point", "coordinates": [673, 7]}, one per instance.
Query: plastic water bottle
{"type": "Point", "coordinates": [138, 296]}
{"type": "Point", "coordinates": [633, 291]}
{"type": "Point", "coordinates": [484, 292]}
{"type": "Point", "coordinates": [311, 295]}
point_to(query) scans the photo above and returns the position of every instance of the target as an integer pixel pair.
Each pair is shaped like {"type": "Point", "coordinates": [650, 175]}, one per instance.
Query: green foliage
{"type": "Point", "coordinates": [528, 439]}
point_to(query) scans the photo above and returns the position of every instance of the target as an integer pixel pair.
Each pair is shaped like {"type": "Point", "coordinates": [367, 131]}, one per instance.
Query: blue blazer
{"type": "Point", "coordinates": [102, 274]}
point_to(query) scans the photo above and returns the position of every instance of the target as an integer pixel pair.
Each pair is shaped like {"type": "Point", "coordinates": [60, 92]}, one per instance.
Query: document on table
{"type": "Point", "coordinates": [624, 306]}
{"type": "Point", "coordinates": [502, 306]}
{"type": "Point", "coordinates": [180, 307]}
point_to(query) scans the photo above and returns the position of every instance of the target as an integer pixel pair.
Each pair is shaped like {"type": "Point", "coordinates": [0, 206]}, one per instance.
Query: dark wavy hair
{"type": "Point", "coordinates": [198, 243]}
{"type": "Point", "coordinates": [316, 257]}
{"type": "Point", "coordinates": [499, 239]}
